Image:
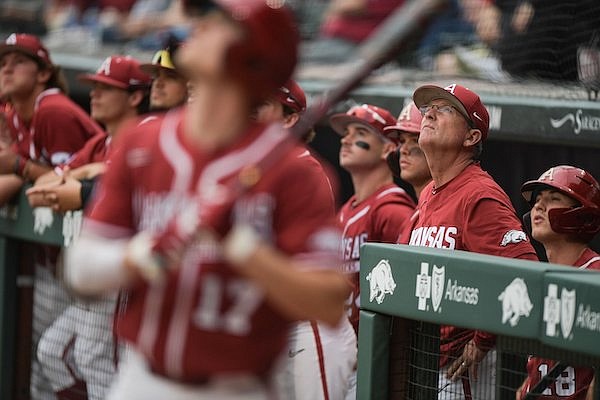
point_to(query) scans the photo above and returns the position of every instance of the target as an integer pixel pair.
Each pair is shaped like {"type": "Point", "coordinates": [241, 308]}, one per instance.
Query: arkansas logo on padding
{"type": "Point", "coordinates": [515, 302]}
{"type": "Point", "coordinates": [381, 281]}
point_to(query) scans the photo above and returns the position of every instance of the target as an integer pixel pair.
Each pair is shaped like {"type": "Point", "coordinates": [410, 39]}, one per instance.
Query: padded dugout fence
{"type": "Point", "coordinates": [18, 236]}
{"type": "Point", "coordinates": [399, 334]}
{"type": "Point", "coordinates": [401, 315]}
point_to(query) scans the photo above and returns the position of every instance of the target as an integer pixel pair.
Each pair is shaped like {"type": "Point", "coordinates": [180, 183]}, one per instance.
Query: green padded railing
{"type": "Point", "coordinates": [521, 301]}
{"type": "Point", "coordinates": [17, 224]}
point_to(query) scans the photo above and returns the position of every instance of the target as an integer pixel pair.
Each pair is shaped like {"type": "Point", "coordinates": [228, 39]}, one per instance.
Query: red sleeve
{"type": "Point", "coordinates": [389, 220]}
{"type": "Point", "coordinates": [112, 203]}
{"type": "Point", "coordinates": [62, 131]}
{"type": "Point", "coordinates": [488, 228]}
{"type": "Point", "coordinates": [304, 211]}
{"type": "Point", "coordinates": [94, 150]}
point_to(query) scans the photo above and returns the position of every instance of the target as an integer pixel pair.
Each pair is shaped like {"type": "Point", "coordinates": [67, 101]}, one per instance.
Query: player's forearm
{"type": "Point", "coordinates": [94, 265]}
{"type": "Point", "coordinates": [9, 187]}
{"type": "Point", "coordinates": [299, 293]}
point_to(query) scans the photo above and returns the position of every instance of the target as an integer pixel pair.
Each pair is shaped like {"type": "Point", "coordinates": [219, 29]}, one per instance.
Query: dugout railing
{"type": "Point", "coordinates": [19, 230]}
{"type": "Point", "coordinates": [400, 312]}
{"type": "Point", "coordinates": [407, 292]}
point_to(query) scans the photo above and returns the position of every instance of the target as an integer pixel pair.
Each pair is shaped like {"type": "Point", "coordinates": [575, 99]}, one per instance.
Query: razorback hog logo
{"type": "Point", "coordinates": [381, 281]}
{"type": "Point", "coordinates": [515, 302]}
{"type": "Point", "coordinates": [513, 236]}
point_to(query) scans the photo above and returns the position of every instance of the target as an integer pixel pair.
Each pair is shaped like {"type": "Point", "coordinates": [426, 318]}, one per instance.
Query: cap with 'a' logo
{"type": "Point", "coordinates": [120, 71]}
{"type": "Point", "coordinates": [373, 117]}
{"type": "Point", "coordinates": [464, 100]}
{"type": "Point", "coordinates": [28, 44]}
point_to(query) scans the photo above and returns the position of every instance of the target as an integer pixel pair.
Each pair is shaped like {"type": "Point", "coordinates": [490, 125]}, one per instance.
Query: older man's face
{"type": "Point", "coordinates": [443, 127]}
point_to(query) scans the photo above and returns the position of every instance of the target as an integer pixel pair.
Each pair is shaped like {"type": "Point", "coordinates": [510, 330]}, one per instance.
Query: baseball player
{"type": "Point", "coordinates": [119, 90]}
{"type": "Point", "coordinates": [209, 321]}
{"type": "Point", "coordinates": [565, 216]}
{"type": "Point", "coordinates": [48, 128]}
{"type": "Point", "coordinates": [10, 184]}
{"type": "Point", "coordinates": [378, 208]}
{"type": "Point", "coordinates": [408, 161]}
{"type": "Point", "coordinates": [462, 209]}
{"type": "Point", "coordinates": [320, 359]}
{"type": "Point", "coordinates": [169, 87]}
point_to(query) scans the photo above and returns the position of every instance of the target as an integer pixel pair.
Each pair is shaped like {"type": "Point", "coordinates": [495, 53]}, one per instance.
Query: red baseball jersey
{"type": "Point", "coordinates": [205, 318]}
{"type": "Point", "coordinates": [58, 129]}
{"type": "Point", "coordinates": [470, 213]}
{"type": "Point", "coordinates": [379, 218]}
{"type": "Point", "coordinates": [573, 382]}
{"type": "Point", "coordinates": [95, 150]}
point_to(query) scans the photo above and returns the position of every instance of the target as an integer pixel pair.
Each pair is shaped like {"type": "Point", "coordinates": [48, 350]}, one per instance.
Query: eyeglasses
{"type": "Point", "coordinates": [445, 109]}
{"type": "Point", "coordinates": [441, 109]}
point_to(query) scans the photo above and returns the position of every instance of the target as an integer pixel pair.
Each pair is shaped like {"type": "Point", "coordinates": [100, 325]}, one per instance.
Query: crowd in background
{"type": "Point", "coordinates": [492, 39]}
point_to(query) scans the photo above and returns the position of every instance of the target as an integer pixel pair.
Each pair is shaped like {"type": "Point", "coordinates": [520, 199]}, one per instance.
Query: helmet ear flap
{"type": "Point", "coordinates": [580, 221]}
{"type": "Point", "coordinates": [527, 222]}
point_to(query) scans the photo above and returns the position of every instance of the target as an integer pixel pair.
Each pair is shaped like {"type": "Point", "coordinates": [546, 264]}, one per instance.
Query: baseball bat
{"type": "Point", "coordinates": [381, 46]}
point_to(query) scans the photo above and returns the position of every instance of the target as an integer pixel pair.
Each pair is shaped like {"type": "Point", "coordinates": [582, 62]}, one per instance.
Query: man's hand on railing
{"type": "Point", "coordinates": [468, 361]}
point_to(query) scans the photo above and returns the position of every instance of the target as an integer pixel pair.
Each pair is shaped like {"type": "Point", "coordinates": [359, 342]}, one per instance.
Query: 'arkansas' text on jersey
{"type": "Point", "coordinates": [441, 237]}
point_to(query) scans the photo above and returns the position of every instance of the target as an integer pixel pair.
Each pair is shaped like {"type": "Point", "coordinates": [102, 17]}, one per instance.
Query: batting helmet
{"type": "Point", "coordinates": [409, 121]}
{"type": "Point", "coordinates": [266, 57]}
{"type": "Point", "coordinates": [576, 183]}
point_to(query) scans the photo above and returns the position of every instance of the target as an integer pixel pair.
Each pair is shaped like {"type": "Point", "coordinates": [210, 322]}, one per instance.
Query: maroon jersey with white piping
{"type": "Point", "coordinates": [378, 218]}
{"type": "Point", "coordinates": [573, 382]}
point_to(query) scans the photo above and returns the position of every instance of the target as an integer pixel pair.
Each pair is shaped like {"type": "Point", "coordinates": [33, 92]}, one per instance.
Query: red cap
{"type": "Point", "coordinates": [120, 71]}
{"type": "Point", "coordinates": [292, 95]}
{"type": "Point", "coordinates": [466, 101]}
{"type": "Point", "coordinates": [409, 121]}
{"type": "Point", "coordinates": [28, 44]}
{"type": "Point", "coordinates": [371, 116]}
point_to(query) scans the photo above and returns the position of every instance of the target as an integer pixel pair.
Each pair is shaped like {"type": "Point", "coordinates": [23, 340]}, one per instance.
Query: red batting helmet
{"type": "Point", "coordinates": [409, 121]}
{"type": "Point", "coordinates": [266, 57]}
{"type": "Point", "coordinates": [583, 219]}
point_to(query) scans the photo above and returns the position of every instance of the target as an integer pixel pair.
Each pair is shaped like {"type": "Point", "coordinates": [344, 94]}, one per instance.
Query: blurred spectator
{"type": "Point", "coordinates": [538, 38]}
{"type": "Point", "coordinates": [145, 23]}
{"type": "Point", "coordinates": [148, 24]}
{"type": "Point", "coordinates": [22, 16]}
{"type": "Point", "coordinates": [451, 28]}
{"type": "Point", "coordinates": [346, 23]}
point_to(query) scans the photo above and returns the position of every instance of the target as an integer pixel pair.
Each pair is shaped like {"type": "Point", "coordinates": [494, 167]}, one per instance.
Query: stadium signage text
{"type": "Point", "coordinates": [561, 311]}
{"type": "Point", "coordinates": [432, 287]}
{"type": "Point", "coordinates": [579, 122]}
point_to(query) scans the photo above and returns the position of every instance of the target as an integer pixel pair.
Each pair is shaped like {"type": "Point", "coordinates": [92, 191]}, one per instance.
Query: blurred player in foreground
{"type": "Point", "coordinates": [379, 208]}
{"type": "Point", "coordinates": [565, 217]}
{"type": "Point", "coordinates": [408, 161]}
{"type": "Point", "coordinates": [210, 320]}
{"type": "Point", "coordinates": [462, 209]}
{"type": "Point", "coordinates": [319, 360]}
